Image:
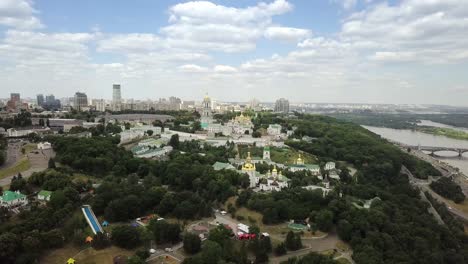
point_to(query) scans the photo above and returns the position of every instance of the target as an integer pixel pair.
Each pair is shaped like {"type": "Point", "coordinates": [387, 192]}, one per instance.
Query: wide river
{"type": "Point", "coordinates": [410, 137]}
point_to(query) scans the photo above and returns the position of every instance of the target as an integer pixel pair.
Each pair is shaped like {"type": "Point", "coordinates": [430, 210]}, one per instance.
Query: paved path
{"type": "Point", "coordinates": [447, 171]}
{"type": "Point", "coordinates": [420, 184]}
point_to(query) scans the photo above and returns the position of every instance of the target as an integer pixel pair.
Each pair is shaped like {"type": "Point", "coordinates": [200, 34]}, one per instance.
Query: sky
{"type": "Point", "coordinates": [335, 51]}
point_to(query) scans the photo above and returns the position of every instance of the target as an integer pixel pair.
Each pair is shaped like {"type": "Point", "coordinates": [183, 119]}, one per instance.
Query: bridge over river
{"type": "Point", "coordinates": [433, 149]}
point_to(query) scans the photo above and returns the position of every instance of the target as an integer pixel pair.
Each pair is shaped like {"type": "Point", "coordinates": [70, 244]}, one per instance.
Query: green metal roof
{"type": "Point", "coordinates": [45, 193]}
{"type": "Point", "coordinates": [222, 165]}
{"type": "Point", "coordinates": [9, 196]}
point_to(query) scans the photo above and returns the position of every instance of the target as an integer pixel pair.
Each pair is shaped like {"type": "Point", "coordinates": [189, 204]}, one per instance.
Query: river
{"type": "Point", "coordinates": [411, 137]}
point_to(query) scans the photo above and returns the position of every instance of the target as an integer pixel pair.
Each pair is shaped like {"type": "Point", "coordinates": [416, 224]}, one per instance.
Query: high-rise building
{"type": "Point", "coordinates": [80, 101]}
{"type": "Point", "coordinates": [206, 112]}
{"type": "Point", "coordinates": [40, 99]}
{"type": "Point", "coordinates": [15, 97]}
{"type": "Point", "coordinates": [116, 98]}
{"type": "Point", "coordinates": [116, 95]}
{"type": "Point", "coordinates": [15, 101]}
{"type": "Point", "coordinates": [282, 105]}
{"type": "Point", "coordinates": [51, 103]}
{"type": "Point", "coordinates": [99, 104]}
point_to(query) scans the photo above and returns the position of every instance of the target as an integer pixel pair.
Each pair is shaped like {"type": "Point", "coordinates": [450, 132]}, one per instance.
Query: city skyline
{"type": "Point", "coordinates": [390, 52]}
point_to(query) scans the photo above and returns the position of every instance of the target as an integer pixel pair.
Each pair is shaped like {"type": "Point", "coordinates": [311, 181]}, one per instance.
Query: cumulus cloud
{"type": "Point", "coordinates": [437, 28]}
{"type": "Point", "coordinates": [18, 14]}
{"type": "Point", "coordinates": [203, 25]}
{"type": "Point", "coordinates": [192, 68]}
{"type": "Point", "coordinates": [224, 69]}
{"type": "Point", "coordinates": [288, 34]}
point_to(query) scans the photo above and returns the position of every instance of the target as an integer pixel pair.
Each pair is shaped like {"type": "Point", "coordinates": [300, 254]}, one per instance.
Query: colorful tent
{"type": "Point", "coordinates": [89, 239]}
{"type": "Point", "coordinates": [70, 261]}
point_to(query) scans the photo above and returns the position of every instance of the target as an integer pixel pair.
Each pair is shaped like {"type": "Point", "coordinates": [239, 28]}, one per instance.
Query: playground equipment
{"type": "Point", "coordinates": [91, 219]}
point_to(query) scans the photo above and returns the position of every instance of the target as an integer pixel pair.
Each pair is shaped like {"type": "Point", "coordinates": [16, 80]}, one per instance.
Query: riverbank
{"type": "Point", "coordinates": [446, 132]}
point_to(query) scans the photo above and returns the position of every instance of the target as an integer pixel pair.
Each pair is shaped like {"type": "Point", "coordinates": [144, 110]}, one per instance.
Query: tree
{"type": "Point", "coordinates": [280, 249]}
{"type": "Point", "coordinates": [192, 243]}
{"type": "Point", "coordinates": [47, 122]}
{"type": "Point", "coordinates": [100, 241]}
{"type": "Point", "coordinates": [58, 199]}
{"type": "Point", "coordinates": [135, 260]}
{"type": "Point", "coordinates": [211, 252]}
{"type": "Point", "coordinates": [324, 220]}
{"type": "Point", "coordinates": [9, 247]}
{"type": "Point", "coordinates": [174, 141]}
{"type": "Point", "coordinates": [51, 164]}
{"type": "Point", "coordinates": [149, 132]}
{"type": "Point", "coordinates": [293, 241]}
{"type": "Point", "coordinates": [126, 237]}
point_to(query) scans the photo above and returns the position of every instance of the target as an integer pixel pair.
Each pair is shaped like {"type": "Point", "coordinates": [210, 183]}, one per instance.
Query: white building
{"type": "Point", "coordinates": [11, 199]}
{"type": "Point", "coordinates": [13, 132]}
{"type": "Point", "coordinates": [330, 165]}
{"type": "Point", "coordinates": [44, 145]}
{"type": "Point", "coordinates": [274, 130]}
{"type": "Point", "coordinates": [325, 190]}
{"type": "Point", "coordinates": [300, 165]}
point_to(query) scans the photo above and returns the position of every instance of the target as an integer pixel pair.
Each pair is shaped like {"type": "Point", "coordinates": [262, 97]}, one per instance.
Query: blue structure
{"type": "Point", "coordinates": [91, 219]}
{"type": "Point", "coordinates": [105, 223]}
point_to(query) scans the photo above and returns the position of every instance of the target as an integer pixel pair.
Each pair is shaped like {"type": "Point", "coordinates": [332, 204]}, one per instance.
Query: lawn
{"type": "Point", "coordinates": [29, 147]}
{"type": "Point", "coordinates": [86, 256]}
{"type": "Point", "coordinates": [289, 156]}
{"type": "Point", "coordinates": [22, 165]}
{"type": "Point", "coordinates": [255, 218]}
{"type": "Point", "coordinates": [343, 261]}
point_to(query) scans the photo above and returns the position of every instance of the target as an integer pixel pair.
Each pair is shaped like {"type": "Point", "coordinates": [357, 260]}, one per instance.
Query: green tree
{"type": "Point", "coordinates": [280, 249]}
{"type": "Point", "coordinates": [126, 237]}
{"type": "Point", "coordinates": [324, 220]}
{"type": "Point", "coordinates": [51, 163]}
{"type": "Point", "coordinates": [149, 132]}
{"type": "Point", "coordinates": [174, 141]}
{"type": "Point", "coordinates": [9, 247]}
{"type": "Point", "coordinates": [192, 243]}
{"type": "Point", "coordinates": [211, 252]}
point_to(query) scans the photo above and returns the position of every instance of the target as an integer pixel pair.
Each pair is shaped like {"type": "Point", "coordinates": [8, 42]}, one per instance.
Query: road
{"type": "Point", "coordinates": [447, 171]}
{"type": "Point", "coordinates": [161, 253]}
{"type": "Point", "coordinates": [310, 244]}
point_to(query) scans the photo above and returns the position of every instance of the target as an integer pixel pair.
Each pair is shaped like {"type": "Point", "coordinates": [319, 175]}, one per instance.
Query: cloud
{"type": "Point", "coordinates": [287, 34]}
{"type": "Point", "coordinates": [18, 14]}
{"type": "Point", "coordinates": [130, 43]}
{"type": "Point", "coordinates": [192, 68]}
{"type": "Point", "coordinates": [224, 69]}
{"type": "Point", "coordinates": [436, 28]}
{"type": "Point", "coordinates": [202, 25]}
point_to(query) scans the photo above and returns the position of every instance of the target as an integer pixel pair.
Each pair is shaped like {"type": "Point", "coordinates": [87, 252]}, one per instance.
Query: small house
{"type": "Point", "coordinates": [44, 195]}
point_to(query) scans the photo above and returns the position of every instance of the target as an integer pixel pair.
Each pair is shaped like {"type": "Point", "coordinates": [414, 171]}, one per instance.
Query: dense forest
{"type": "Point", "coordinates": [401, 121]}
{"type": "Point", "coordinates": [397, 228]}
{"type": "Point", "coordinates": [447, 188]}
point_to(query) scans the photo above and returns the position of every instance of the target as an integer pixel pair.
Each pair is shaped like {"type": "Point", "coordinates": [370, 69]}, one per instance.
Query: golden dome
{"type": "Point", "coordinates": [274, 169]}
{"type": "Point", "coordinates": [300, 160]}
{"type": "Point", "coordinates": [248, 165]}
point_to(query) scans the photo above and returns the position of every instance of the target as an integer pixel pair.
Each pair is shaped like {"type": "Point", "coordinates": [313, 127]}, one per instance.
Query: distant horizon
{"type": "Point", "coordinates": [380, 51]}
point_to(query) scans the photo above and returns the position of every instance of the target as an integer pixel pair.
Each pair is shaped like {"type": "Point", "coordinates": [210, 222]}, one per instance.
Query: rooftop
{"type": "Point", "coordinates": [9, 196]}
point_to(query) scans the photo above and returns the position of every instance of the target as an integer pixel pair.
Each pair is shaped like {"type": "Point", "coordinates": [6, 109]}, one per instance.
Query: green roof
{"type": "Point", "coordinates": [9, 196]}
{"type": "Point", "coordinates": [307, 166]}
{"type": "Point", "coordinates": [222, 165]}
{"type": "Point", "coordinates": [45, 193]}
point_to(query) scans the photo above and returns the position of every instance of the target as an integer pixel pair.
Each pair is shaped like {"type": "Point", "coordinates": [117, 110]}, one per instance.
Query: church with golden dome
{"type": "Point", "coordinates": [271, 181]}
